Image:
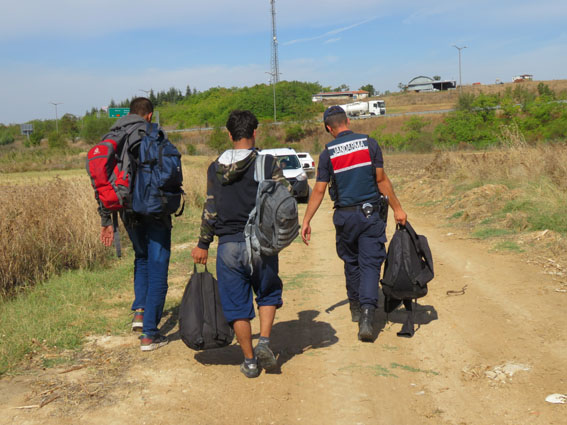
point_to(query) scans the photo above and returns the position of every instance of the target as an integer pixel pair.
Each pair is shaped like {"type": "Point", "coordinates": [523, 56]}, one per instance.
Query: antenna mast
{"type": "Point", "coordinates": [275, 64]}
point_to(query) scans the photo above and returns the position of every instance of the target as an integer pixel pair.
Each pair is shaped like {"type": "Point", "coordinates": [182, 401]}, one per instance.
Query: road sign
{"type": "Point", "coordinates": [26, 129]}
{"type": "Point", "coordinates": [118, 112]}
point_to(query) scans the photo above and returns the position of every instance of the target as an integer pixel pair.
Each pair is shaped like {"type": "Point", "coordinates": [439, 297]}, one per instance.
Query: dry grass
{"type": "Point", "coordinates": [46, 227]}
{"type": "Point", "coordinates": [518, 165]}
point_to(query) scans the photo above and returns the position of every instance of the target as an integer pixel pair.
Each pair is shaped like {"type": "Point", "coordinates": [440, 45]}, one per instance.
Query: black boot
{"type": "Point", "coordinates": [354, 310]}
{"type": "Point", "coordinates": [365, 331]}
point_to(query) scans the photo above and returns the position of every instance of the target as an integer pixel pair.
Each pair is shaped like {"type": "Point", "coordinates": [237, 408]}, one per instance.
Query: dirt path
{"type": "Point", "coordinates": [453, 371]}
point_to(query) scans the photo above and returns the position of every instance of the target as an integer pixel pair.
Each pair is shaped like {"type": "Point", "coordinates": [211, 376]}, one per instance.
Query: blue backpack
{"type": "Point", "coordinates": [158, 176]}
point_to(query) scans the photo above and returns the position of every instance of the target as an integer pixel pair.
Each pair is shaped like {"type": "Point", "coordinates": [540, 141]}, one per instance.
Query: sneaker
{"type": "Point", "coordinates": [250, 370]}
{"type": "Point", "coordinates": [149, 343]}
{"type": "Point", "coordinates": [266, 357]}
{"type": "Point", "coordinates": [138, 321]}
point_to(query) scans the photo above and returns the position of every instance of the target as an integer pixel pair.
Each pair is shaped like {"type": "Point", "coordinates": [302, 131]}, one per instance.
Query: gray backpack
{"type": "Point", "coordinates": [273, 223]}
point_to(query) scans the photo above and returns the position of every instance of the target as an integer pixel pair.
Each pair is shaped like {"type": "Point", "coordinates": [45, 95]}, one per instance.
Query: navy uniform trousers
{"type": "Point", "coordinates": [361, 245]}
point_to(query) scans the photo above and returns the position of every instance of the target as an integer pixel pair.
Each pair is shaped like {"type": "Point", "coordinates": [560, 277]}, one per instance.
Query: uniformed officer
{"type": "Point", "coordinates": [352, 166]}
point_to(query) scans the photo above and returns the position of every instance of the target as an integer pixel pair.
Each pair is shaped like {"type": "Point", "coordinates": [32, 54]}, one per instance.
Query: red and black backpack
{"type": "Point", "coordinates": [111, 170]}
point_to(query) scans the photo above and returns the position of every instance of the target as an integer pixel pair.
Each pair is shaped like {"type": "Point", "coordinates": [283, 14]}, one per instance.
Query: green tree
{"type": "Point", "coordinates": [94, 128]}
{"type": "Point", "coordinates": [342, 87]}
{"type": "Point", "coordinates": [369, 88]}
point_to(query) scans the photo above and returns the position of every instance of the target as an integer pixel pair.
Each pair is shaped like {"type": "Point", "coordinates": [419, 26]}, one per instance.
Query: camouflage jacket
{"type": "Point", "coordinates": [231, 195]}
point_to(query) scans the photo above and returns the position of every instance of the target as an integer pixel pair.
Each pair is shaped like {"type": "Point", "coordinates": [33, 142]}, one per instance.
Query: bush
{"type": "Point", "coordinates": [6, 138]}
{"type": "Point", "coordinates": [191, 149]}
{"type": "Point", "coordinates": [219, 140]}
{"type": "Point", "coordinates": [94, 128]}
{"type": "Point", "coordinates": [294, 133]}
{"type": "Point", "coordinates": [56, 141]}
{"type": "Point", "coordinates": [35, 139]}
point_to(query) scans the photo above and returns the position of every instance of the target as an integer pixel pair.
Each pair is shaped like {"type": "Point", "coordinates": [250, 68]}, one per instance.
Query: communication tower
{"type": "Point", "coordinates": [275, 65]}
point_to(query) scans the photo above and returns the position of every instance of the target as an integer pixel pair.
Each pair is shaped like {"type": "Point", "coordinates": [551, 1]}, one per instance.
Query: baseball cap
{"type": "Point", "coordinates": [332, 110]}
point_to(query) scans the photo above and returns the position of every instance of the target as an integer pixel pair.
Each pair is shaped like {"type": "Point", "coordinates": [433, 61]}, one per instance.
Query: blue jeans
{"type": "Point", "coordinates": [360, 244]}
{"type": "Point", "coordinates": [151, 239]}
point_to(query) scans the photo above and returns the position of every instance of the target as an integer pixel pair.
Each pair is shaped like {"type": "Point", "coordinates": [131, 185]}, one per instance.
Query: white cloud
{"type": "Point", "coordinates": [329, 33]}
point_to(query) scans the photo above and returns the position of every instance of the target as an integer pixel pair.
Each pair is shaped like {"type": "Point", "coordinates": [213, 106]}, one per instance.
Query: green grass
{"type": "Point", "coordinates": [508, 246]}
{"type": "Point", "coordinates": [490, 232]}
{"type": "Point", "coordinates": [298, 280]}
{"type": "Point", "coordinates": [57, 314]}
{"type": "Point", "coordinates": [379, 370]}
{"type": "Point", "coordinates": [458, 214]}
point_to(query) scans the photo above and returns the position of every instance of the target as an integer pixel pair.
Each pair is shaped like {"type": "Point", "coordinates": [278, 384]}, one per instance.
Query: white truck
{"type": "Point", "coordinates": [368, 108]}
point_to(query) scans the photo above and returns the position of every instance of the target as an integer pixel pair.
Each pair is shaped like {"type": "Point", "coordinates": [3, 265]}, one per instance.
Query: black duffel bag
{"type": "Point", "coordinates": [202, 325]}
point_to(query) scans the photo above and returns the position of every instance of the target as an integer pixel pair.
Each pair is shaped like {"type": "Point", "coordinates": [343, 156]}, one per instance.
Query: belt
{"type": "Point", "coordinates": [357, 207]}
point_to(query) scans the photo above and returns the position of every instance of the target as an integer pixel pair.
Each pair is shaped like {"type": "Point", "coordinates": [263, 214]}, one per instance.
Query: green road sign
{"type": "Point", "coordinates": [118, 112]}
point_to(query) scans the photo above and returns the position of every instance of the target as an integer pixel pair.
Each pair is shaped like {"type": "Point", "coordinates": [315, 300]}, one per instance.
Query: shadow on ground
{"type": "Point", "coordinates": [288, 339]}
{"type": "Point", "coordinates": [423, 314]}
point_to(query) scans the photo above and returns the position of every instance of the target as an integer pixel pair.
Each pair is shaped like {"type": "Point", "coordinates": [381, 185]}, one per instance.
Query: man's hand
{"type": "Point", "coordinates": [107, 235]}
{"type": "Point", "coordinates": [306, 233]}
{"type": "Point", "coordinates": [200, 255]}
{"type": "Point", "coordinates": [400, 216]}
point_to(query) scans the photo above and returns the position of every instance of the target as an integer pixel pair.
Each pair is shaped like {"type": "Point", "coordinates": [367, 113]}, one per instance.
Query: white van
{"type": "Point", "coordinates": [293, 171]}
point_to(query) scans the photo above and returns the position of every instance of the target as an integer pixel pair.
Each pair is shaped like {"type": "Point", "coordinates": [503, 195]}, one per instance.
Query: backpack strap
{"type": "Point", "coordinates": [259, 176]}
{"type": "Point", "coordinates": [116, 234]}
{"type": "Point", "coordinates": [260, 168]}
{"type": "Point", "coordinates": [427, 273]}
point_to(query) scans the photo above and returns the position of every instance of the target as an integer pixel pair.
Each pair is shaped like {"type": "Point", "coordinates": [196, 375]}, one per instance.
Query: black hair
{"type": "Point", "coordinates": [241, 124]}
{"type": "Point", "coordinates": [335, 121]}
{"type": "Point", "coordinates": [141, 106]}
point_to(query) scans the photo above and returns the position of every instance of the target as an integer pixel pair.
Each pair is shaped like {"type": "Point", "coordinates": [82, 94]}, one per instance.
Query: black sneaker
{"type": "Point", "coordinates": [149, 343]}
{"type": "Point", "coordinates": [250, 370]}
{"type": "Point", "coordinates": [266, 357]}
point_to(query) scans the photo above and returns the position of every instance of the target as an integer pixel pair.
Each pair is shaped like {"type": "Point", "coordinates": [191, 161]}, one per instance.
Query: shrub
{"type": "Point", "coordinates": [35, 139]}
{"type": "Point", "coordinates": [219, 140]}
{"type": "Point", "coordinates": [294, 133]}
{"type": "Point", "coordinates": [94, 128]}
{"type": "Point", "coordinates": [56, 141]}
{"type": "Point", "coordinates": [6, 138]}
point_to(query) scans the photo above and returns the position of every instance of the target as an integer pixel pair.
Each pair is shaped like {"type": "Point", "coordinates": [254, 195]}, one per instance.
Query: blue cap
{"type": "Point", "coordinates": [333, 110]}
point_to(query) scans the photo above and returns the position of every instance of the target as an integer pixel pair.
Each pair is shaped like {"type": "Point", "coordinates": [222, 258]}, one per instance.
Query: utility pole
{"type": "Point", "coordinates": [460, 79]}
{"type": "Point", "coordinates": [56, 121]}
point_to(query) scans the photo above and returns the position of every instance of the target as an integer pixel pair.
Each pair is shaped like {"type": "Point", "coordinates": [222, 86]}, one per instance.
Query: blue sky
{"type": "Point", "coordinates": [84, 52]}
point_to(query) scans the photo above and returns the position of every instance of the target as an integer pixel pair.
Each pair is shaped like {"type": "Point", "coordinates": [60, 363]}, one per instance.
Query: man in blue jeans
{"type": "Point", "coordinates": [353, 166]}
{"type": "Point", "coordinates": [150, 236]}
{"type": "Point", "coordinates": [231, 196]}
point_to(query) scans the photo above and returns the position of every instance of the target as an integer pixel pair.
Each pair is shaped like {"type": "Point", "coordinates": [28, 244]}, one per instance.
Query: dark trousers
{"type": "Point", "coordinates": [361, 245]}
{"type": "Point", "coordinates": [151, 239]}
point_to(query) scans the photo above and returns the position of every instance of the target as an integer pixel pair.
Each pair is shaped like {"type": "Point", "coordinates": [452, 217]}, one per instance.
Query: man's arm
{"type": "Point", "coordinates": [387, 189]}
{"type": "Point", "coordinates": [315, 200]}
{"type": "Point", "coordinates": [201, 252]}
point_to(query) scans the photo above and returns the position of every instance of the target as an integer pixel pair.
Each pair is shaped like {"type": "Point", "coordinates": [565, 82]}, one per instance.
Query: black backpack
{"type": "Point", "coordinates": [408, 269]}
{"type": "Point", "coordinates": [202, 325]}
